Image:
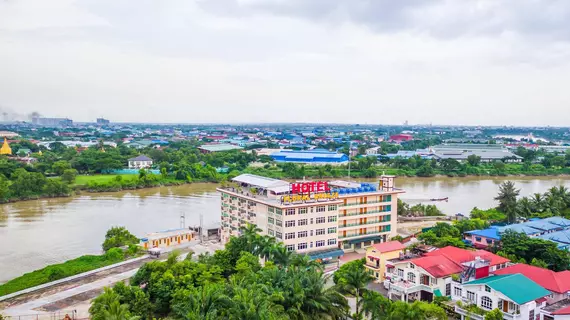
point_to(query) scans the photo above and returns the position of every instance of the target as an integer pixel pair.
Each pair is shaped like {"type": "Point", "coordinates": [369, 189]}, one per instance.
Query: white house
{"type": "Point", "coordinates": [515, 295]}
{"type": "Point", "coordinates": [431, 275]}
{"type": "Point", "coordinates": [140, 162]}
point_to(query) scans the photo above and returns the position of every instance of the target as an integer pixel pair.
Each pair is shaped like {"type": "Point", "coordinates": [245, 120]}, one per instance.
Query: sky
{"type": "Point", "coordinates": [476, 62]}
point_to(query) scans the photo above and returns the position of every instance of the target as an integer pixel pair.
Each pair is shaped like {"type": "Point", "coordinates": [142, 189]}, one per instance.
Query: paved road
{"type": "Point", "coordinates": [31, 307]}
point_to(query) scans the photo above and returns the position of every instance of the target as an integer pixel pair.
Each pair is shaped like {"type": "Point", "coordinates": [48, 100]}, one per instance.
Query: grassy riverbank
{"type": "Point", "coordinates": [62, 270]}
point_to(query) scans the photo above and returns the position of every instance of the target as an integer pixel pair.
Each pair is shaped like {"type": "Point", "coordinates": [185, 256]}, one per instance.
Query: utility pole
{"type": "Point", "coordinates": [201, 228]}
{"type": "Point", "coordinates": [183, 220]}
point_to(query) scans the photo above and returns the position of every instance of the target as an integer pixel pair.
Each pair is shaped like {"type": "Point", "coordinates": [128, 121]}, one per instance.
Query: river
{"type": "Point", "coordinates": [41, 232]}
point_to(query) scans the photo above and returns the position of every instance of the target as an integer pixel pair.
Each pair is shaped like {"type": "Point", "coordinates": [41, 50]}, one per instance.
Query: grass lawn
{"type": "Point", "coordinates": [101, 178]}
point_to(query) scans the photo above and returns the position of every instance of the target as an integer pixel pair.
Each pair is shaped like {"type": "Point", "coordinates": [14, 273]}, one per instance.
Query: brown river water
{"type": "Point", "coordinates": [41, 232]}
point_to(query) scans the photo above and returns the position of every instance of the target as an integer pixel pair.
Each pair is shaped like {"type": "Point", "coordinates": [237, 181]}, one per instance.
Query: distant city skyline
{"type": "Point", "coordinates": [481, 62]}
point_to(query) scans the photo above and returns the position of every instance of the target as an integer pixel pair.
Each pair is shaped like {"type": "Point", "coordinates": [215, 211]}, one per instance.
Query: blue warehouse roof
{"type": "Point", "coordinates": [309, 156]}
{"type": "Point", "coordinates": [492, 233]}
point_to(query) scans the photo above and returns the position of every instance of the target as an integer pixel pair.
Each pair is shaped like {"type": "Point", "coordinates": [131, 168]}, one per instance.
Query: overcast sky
{"type": "Point", "coordinates": [481, 62]}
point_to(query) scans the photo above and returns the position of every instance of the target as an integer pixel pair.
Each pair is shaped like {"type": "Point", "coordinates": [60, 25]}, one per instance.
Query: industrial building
{"type": "Point", "coordinates": [310, 156]}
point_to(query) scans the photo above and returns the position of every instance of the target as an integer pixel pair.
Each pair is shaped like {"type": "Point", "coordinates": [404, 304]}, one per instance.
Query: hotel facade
{"type": "Point", "coordinates": [312, 217]}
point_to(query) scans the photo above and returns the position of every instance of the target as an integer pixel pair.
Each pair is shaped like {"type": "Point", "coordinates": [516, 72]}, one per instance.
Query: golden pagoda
{"type": "Point", "coordinates": [6, 150]}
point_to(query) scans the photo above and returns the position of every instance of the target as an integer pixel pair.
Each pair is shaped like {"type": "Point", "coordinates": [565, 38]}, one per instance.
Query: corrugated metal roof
{"type": "Point", "coordinates": [260, 181]}
{"type": "Point", "coordinates": [219, 147]}
{"type": "Point", "coordinates": [516, 287]}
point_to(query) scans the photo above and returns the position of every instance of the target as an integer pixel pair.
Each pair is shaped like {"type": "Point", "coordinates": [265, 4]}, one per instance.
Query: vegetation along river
{"type": "Point", "coordinates": [41, 232]}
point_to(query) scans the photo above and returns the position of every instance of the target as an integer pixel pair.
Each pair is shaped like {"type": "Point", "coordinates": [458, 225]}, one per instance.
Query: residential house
{"type": "Point", "coordinates": [555, 229]}
{"type": "Point", "coordinates": [558, 283]}
{"type": "Point", "coordinates": [517, 296]}
{"type": "Point", "coordinates": [378, 254]}
{"type": "Point", "coordinates": [140, 162]}
{"type": "Point", "coordinates": [421, 278]}
{"type": "Point", "coordinates": [209, 148]}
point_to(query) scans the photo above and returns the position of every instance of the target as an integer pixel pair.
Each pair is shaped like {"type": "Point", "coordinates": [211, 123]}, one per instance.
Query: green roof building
{"type": "Point", "coordinates": [516, 295]}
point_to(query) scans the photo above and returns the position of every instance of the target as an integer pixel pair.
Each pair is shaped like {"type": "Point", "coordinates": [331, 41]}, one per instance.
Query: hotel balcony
{"type": "Point", "coordinates": [364, 224]}
{"type": "Point", "coordinates": [353, 215]}
{"type": "Point", "coordinates": [363, 204]}
{"type": "Point", "coordinates": [361, 235]}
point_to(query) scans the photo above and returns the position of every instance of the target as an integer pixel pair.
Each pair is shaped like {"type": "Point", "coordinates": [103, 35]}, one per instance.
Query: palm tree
{"type": "Point", "coordinates": [560, 192]}
{"type": "Point", "coordinates": [253, 304]}
{"type": "Point", "coordinates": [401, 310]}
{"type": "Point", "coordinates": [205, 303]}
{"type": "Point", "coordinates": [280, 255]}
{"type": "Point", "coordinates": [251, 234]}
{"type": "Point", "coordinates": [304, 261]}
{"type": "Point", "coordinates": [537, 202]}
{"type": "Point", "coordinates": [265, 247]}
{"type": "Point", "coordinates": [354, 281]}
{"type": "Point", "coordinates": [507, 198]}
{"type": "Point", "coordinates": [374, 305]}
{"type": "Point", "coordinates": [525, 207]}
{"type": "Point", "coordinates": [117, 311]}
{"type": "Point", "coordinates": [320, 302]}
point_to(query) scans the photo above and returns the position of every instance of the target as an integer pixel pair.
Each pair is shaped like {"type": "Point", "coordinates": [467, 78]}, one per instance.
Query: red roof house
{"type": "Point", "coordinates": [558, 282]}
{"type": "Point", "coordinates": [460, 256]}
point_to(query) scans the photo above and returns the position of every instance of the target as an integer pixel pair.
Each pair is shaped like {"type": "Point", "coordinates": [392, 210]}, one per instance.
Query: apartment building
{"type": "Point", "coordinates": [312, 216]}
{"type": "Point", "coordinates": [306, 222]}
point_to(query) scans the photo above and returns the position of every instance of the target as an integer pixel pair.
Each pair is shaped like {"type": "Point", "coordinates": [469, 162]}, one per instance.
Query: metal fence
{"type": "Point", "coordinates": [59, 315]}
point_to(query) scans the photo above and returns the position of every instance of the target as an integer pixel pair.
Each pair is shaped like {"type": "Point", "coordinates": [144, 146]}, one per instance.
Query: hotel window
{"type": "Point", "coordinates": [457, 291]}
{"type": "Point", "coordinates": [320, 232]}
{"type": "Point", "coordinates": [331, 242]}
{"type": "Point", "coordinates": [302, 234]}
{"type": "Point", "coordinates": [332, 207]}
{"type": "Point", "coordinates": [279, 222]}
{"type": "Point", "coordinates": [302, 246]}
{"type": "Point", "coordinates": [290, 247]}
{"type": "Point", "coordinates": [400, 273]}
{"type": "Point", "coordinates": [302, 222]}
{"type": "Point", "coordinates": [320, 220]}
{"type": "Point", "coordinates": [411, 277]}
{"type": "Point", "coordinates": [311, 233]}
{"type": "Point", "coordinates": [270, 232]}
{"type": "Point", "coordinates": [290, 235]}
{"type": "Point", "coordinates": [332, 218]}
{"type": "Point", "coordinates": [471, 296]}
{"type": "Point", "coordinates": [271, 209]}
{"type": "Point", "coordinates": [290, 212]}
{"type": "Point", "coordinates": [486, 303]}
{"type": "Point", "coordinates": [278, 235]}
{"type": "Point", "coordinates": [311, 220]}
{"type": "Point", "coordinates": [320, 243]}
{"type": "Point", "coordinates": [290, 223]}
{"type": "Point", "coordinates": [448, 289]}
{"type": "Point", "coordinates": [302, 210]}
{"type": "Point", "coordinates": [321, 209]}
{"type": "Point", "coordinates": [278, 211]}
{"type": "Point", "coordinates": [270, 220]}
{"type": "Point", "coordinates": [332, 230]}
{"type": "Point", "coordinates": [487, 288]}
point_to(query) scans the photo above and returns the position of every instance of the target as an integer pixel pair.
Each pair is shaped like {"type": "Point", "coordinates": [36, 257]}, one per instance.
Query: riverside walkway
{"type": "Point", "coordinates": [72, 296]}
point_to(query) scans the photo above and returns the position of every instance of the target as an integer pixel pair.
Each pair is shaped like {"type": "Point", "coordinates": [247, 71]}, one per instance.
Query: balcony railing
{"type": "Point", "coordinates": [361, 224]}
{"type": "Point", "coordinates": [362, 203]}
{"type": "Point", "coordinates": [361, 213]}
{"type": "Point", "coordinates": [362, 234]}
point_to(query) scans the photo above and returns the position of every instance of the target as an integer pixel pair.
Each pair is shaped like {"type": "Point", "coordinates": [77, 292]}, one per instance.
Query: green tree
{"type": "Point", "coordinates": [118, 237]}
{"type": "Point", "coordinates": [507, 198]}
{"type": "Point", "coordinates": [69, 176]}
{"type": "Point", "coordinates": [354, 281]}
{"type": "Point", "coordinates": [495, 314]}
{"type": "Point", "coordinates": [473, 160]}
{"type": "Point", "coordinates": [374, 305]}
{"type": "Point", "coordinates": [205, 303]}
{"type": "Point", "coordinates": [60, 166]}
{"type": "Point", "coordinates": [117, 311]}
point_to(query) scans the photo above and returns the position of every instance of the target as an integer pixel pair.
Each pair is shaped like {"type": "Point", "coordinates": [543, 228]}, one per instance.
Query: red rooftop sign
{"type": "Point", "coordinates": [310, 187]}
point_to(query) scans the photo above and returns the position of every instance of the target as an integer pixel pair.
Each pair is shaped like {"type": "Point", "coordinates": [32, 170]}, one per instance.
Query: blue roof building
{"type": "Point", "coordinates": [555, 229]}
{"type": "Point", "coordinates": [309, 156]}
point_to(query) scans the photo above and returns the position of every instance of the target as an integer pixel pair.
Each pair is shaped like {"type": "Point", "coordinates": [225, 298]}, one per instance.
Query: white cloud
{"type": "Point", "coordinates": [246, 61]}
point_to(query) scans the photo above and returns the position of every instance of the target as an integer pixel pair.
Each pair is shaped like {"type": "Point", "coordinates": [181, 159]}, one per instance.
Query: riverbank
{"type": "Point", "coordinates": [103, 183]}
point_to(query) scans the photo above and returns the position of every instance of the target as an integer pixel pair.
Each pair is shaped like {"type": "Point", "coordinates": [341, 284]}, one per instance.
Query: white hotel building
{"type": "Point", "coordinates": [356, 216]}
